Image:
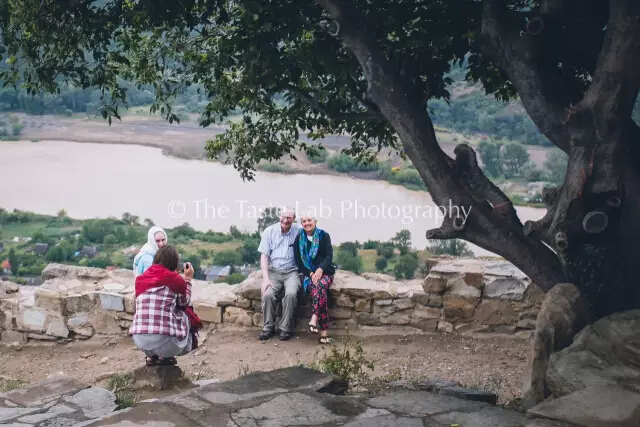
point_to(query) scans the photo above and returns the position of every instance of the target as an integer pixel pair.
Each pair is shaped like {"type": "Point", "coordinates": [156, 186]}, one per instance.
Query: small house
{"type": "Point", "coordinates": [89, 251]}
{"type": "Point", "coordinates": [6, 267]}
{"type": "Point", "coordinates": [216, 272]}
{"type": "Point", "coordinates": [41, 248]}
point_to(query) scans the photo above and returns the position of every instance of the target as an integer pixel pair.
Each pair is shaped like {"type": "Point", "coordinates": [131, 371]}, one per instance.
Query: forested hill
{"type": "Point", "coordinates": [470, 110]}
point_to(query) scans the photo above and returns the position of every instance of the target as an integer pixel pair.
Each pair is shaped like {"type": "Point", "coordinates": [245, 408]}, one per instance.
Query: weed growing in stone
{"type": "Point", "coordinates": [122, 386]}
{"type": "Point", "coordinates": [8, 384]}
{"type": "Point", "coordinates": [348, 361]}
{"type": "Point", "coordinates": [243, 370]}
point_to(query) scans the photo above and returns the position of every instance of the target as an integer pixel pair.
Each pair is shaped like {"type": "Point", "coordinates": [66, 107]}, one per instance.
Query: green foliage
{"type": "Point", "coordinates": [556, 166]}
{"type": "Point", "coordinates": [8, 384]}
{"type": "Point", "coordinates": [345, 163]}
{"type": "Point", "coordinates": [228, 257]}
{"type": "Point", "coordinates": [234, 278]}
{"type": "Point", "coordinates": [100, 262]}
{"type": "Point", "coordinates": [349, 247]}
{"type": "Point", "coordinates": [381, 264]}
{"type": "Point", "coordinates": [318, 156]}
{"type": "Point", "coordinates": [490, 156]}
{"type": "Point", "coordinates": [268, 216]}
{"type": "Point", "coordinates": [110, 239]}
{"type": "Point", "coordinates": [249, 251]}
{"type": "Point", "coordinates": [513, 157]}
{"type": "Point", "coordinates": [371, 244]}
{"type": "Point", "coordinates": [531, 173]}
{"type": "Point", "coordinates": [453, 247]}
{"type": "Point", "coordinates": [122, 385]}
{"type": "Point", "coordinates": [14, 261]}
{"type": "Point", "coordinates": [386, 250]}
{"type": "Point", "coordinates": [16, 129]}
{"type": "Point", "coordinates": [348, 362]}
{"type": "Point", "coordinates": [406, 266]}
{"type": "Point", "coordinates": [349, 261]}
{"type": "Point", "coordinates": [402, 240]}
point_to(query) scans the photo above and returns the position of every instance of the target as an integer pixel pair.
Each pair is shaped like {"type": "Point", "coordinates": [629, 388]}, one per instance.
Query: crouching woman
{"type": "Point", "coordinates": [161, 324]}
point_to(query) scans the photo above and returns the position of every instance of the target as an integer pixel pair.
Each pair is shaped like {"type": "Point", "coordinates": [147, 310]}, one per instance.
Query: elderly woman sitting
{"type": "Point", "coordinates": [161, 325]}
{"type": "Point", "coordinates": [314, 257]}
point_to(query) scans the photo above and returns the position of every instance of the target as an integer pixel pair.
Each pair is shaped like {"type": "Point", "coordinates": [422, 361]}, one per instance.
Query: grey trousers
{"type": "Point", "coordinates": [162, 345]}
{"type": "Point", "coordinates": [285, 287]}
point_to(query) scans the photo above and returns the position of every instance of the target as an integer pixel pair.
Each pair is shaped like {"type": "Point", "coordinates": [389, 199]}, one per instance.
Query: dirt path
{"type": "Point", "coordinates": [493, 363]}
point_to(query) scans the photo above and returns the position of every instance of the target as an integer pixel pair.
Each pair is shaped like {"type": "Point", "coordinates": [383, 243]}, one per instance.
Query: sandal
{"type": "Point", "coordinates": [167, 361]}
{"type": "Point", "coordinates": [151, 360]}
{"type": "Point", "coordinates": [324, 340]}
{"type": "Point", "coordinates": [313, 329]}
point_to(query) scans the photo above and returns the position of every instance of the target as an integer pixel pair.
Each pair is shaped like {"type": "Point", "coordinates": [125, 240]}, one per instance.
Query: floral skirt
{"type": "Point", "coordinates": [319, 301]}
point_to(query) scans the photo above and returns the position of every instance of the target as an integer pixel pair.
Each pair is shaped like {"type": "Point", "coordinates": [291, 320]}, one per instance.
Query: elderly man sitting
{"type": "Point", "coordinates": [280, 274]}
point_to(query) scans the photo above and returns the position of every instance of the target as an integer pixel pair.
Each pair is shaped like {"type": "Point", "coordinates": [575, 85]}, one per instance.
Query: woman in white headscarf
{"type": "Point", "coordinates": [156, 238]}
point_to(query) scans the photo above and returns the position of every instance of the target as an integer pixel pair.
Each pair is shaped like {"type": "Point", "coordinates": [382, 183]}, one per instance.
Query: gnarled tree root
{"type": "Point", "coordinates": [563, 314]}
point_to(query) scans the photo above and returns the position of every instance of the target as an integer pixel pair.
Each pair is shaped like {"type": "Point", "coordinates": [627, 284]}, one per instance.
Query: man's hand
{"type": "Point", "coordinates": [265, 285]}
{"type": "Point", "coordinates": [315, 277]}
{"type": "Point", "coordinates": [188, 271]}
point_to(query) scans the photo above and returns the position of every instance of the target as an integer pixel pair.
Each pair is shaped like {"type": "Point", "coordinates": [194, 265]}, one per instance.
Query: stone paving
{"type": "Point", "coordinates": [294, 396]}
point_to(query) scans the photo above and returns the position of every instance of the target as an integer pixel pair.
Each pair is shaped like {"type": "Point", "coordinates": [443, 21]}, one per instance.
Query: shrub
{"type": "Point", "coordinates": [406, 266]}
{"type": "Point", "coordinates": [453, 247]}
{"type": "Point", "coordinates": [386, 250]}
{"type": "Point", "coordinates": [347, 261]}
{"type": "Point", "coordinates": [234, 278]}
{"type": "Point", "coordinates": [381, 263]}
{"type": "Point", "coordinates": [16, 129]}
{"type": "Point", "coordinates": [122, 386]}
{"type": "Point", "coordinates": [348, 362]}
{"type": "Point", "coordinates": [318, 156]}
{"type": "Point", "coordinates": [344, 163]}
{"type": "Point", "coordinates": [110, 239]}
{"type": "Point", "coordinates": [371, 244]}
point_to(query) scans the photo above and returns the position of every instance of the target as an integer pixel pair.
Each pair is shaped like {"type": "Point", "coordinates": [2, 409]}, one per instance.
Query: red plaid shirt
{"type": "Point", "coordinates": [159, 311]}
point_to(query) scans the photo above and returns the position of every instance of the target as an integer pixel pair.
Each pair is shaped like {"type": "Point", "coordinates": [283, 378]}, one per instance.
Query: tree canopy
{"type": "Point", "coordinates": [370, 69]}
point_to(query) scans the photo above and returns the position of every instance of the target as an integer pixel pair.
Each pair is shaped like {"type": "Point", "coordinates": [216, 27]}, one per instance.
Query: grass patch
{"type": "Point", "coordinates": [243, 370]}
{"type": "Point", "coordinates": [122, 386]}
{"type": "Point", "coordinates": [8, 384]}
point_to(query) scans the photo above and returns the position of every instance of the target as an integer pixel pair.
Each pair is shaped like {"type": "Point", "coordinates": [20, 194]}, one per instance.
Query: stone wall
{"type": "Point", "coordinates": [458, 296]}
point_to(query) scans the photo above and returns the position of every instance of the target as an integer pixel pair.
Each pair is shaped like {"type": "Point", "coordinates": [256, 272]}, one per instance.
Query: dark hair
{"type": "Point", "coordinates": [167, 256]}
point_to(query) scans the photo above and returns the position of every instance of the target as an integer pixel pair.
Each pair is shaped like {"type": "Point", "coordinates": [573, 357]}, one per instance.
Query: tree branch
{"type": "Point", "coordinates": [517, 57]}
{"type": "Point", "coordinates": [616, 80]}
{"type": "Point", "coordinates": [486, 225]}
{"type": "Point", "coordinates": [315, 103]}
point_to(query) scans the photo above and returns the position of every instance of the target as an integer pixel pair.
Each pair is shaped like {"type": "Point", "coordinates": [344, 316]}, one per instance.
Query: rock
{"type": "Point", "coordinates": [488, 416]}
{"type": "Point", "coordinates": [161, 377]}
{"type": "Point", "coordinates": [458, 308]}
{"type": "Point", "coordinates": [383, 302]}
{"type": "Point", "coordinates": [445, 327]}
{"type": "Point", "coordinates": [104, 360]}
{"type": "Point", "coordinates": [603, 353]}
{"type": "Point", "coordinates": [33, 319]}
{"type": "Point", "coordinates": [53, 412]}
{"type": "Point", "coordinates": [130, 303]}
{"type": "Point", "coordinates": [505, 288]}
{"type": "Point", "coordinates": [474, 278]}
{"type": "Point", "coordinates": [57, 328]}
{"type": "Point", "coordinates": [111, 301]}
{"type": "Point", "coordinates": [258, 319]}
{"type": "Point", "coordinates": [340, 313]}
{"type": "Point", "coordinates": [534, 295]}
{"type": "Point", "coordinates": [238, 316]}
{"type": "Point", "coordinates": [457, 286]}
{"type": "Point", "coordinates": [40, 337]}
{"type": "Point", "coordinates": [290, 410]}
{"type": "Point", "coordinates": [369, 319]}
{"type": "Point", "coordinates": [114, 287]}
{"type": "Point", "coordinates": [80, 325]}
{"type": "Point", "coordinates": [420, 312]}
{"type": "Point", "coordinates": [504, 329]}
{"type": "Point", "coordinates": [104, 323]}
{"type": "Point", "coordinates": [434, 284]}
{"type": "Point", "coordinates": [378, 277]}
{"type": "Point", "coordinates": [344, 301]}
{"type": "Point", "coordinates": [49, 300]}
{"type": "Point", "coordinates": [420, 297]}
{"type": "Point", "coordinates": [94, 402]}
{"type": "Point", "coordinates": [40, 393]}
{"type": "Point", "coordinates": [421, 404]}
{"type": "Point", "coordinates": [208, 312]}
{"type": "Point", "coordinates": [7, 287]}
{"type": "Point", "coordinates": [256, 306]}
{"type": "Point", "coordinates": [496, 312]}
{"type": "Point", "coordinates": [531, 314]}
{"type": "Point", "coordinates": [363, 305]}
{"type": "Point", "coordinates": [526, 324]}
{"type": "Point", "coordinates": [9, 337]}
{"type": "Point", "coordinates": [424, 324]}
{"type": "Point", "coordinates": [79, 303]}
{"type": "Point", "coordinates": [243, 303]}
{"type": "Point", "coordinates": [397, 318]}
{"type": "Point", "coordinates": [470, 328]}
{"type": "Point", "coordinates": [52, 271]}
{"type": "Point", "coordinates": [435, 300]}
{"type": "Point", "coordinates": [594, 406]}
{"type": "Point", "coordinates": [403, 304]}
{"type": "Point", "coordinates": [250, 287]}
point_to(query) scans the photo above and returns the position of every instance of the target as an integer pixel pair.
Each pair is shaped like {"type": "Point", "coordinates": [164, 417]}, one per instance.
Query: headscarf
{"type": "Point", "coordinates": [151, 247]}
{"type": "Point", "coordinates": [309, 252]}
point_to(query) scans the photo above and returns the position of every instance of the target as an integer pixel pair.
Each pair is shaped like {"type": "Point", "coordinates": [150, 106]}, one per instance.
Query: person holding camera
{"type": "Point", "coordinates": [163, 323]}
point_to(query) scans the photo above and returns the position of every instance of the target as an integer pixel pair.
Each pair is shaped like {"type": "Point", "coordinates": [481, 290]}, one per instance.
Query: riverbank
{"type": "Point", "coordinates": [188, 140]}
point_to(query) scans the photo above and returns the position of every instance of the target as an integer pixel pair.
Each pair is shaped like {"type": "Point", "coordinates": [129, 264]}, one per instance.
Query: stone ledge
{"type": "Point", "coordinates": [465, 296]}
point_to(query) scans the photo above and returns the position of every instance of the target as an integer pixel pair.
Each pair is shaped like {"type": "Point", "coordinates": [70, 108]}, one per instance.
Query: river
{"type": "Point", "coordinates": [101, 180]}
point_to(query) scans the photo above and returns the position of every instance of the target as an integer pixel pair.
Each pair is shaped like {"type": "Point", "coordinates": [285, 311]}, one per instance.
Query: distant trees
{"type": "Point", "coordinates": [490, 156]}
{"type": "Point", "coordinates": [14, 261]}
{"type": "Point", "coordinates": [556, 166]}
{"type": "Point", "coordinates": [513, 157]}
{"type": "Point", "coordinates": [402, 240]}
{"type": "Point", "coordinates": [381, 263]}
{"type": "Point", "coordinates": [453, 247]}
{"type": "Point", "coordinates": [406, 266]}
{"type": "Point", "coordinates": [269, 216]}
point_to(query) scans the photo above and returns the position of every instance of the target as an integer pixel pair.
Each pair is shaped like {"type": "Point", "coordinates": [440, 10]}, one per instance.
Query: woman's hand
{"type": "Point", "coordinates": [188, 271]}
{"type": "Point", "coordinates": [315, 277]}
